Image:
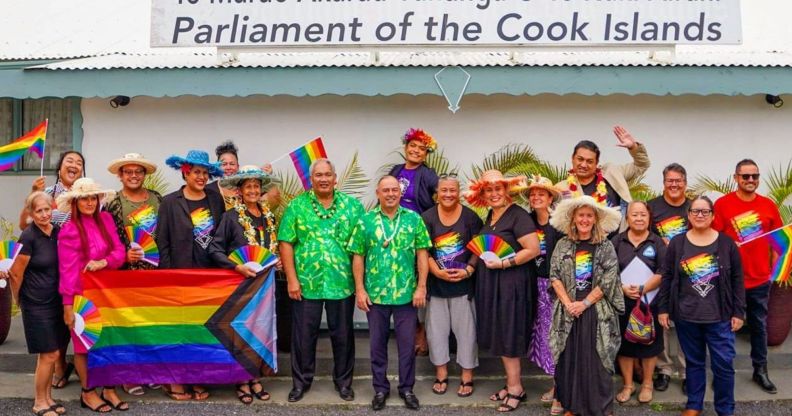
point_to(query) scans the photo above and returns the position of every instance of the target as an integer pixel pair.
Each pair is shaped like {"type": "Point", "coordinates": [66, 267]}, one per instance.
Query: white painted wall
{"type": "Point", "coordinates": [706, 134]}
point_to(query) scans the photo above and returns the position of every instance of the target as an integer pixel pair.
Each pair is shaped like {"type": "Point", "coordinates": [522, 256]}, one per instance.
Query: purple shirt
{"type": "Point", "coordinates": [407, 184]}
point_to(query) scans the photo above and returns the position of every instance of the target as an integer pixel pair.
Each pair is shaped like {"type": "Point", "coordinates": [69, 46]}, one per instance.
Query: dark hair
{"type": "Point", "coordinates": [744, 162]}
{"type": "Point", "coordinates": [226, 147]}
{"type": "Point", "coordinates": [60, 163]}
{"type": "Point", "coordinates": [644, 203]}
{"type": "Point", "coordinates": [76, 218]}
{"type": "Point", "coordinates": [703, 198]}
{"type": "Point", "coordinates": [588, 145]}
{"type": "Point", "coordinates": [675, 167]}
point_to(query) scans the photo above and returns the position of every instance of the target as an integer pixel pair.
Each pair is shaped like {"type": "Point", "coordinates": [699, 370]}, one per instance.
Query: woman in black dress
{"type": "Point", "coordinates": [34, 282]}
{"type": "Point", "coordinates": [584, 273]}
{"type": "Point", "coordinates": [503, 288]}
{"type": "Point", "coordinates": [638, 244]}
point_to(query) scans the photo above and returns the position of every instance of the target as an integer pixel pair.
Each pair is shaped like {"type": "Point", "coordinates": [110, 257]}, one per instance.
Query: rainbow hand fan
{"type": "Point", "coordinates": [87, 321]}
{"type": "Point", "coordinates": [256, 258]}
{"type": "Point", "coordinates": [144, 241]}
{"type": "Point", "coordinates": [8, 252]}
{"type": "Point", "coordinates": [490, 247]}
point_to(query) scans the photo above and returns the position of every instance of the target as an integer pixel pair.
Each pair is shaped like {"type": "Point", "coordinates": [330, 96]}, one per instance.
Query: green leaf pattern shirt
{"type": "Point", "coordinates": [390, 271]}
{"type": "Point", "coordinates": [321, 257]}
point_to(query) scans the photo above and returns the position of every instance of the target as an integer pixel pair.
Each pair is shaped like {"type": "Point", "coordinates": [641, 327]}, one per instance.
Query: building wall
{"type": "Point", "coordinates": [706, 134]}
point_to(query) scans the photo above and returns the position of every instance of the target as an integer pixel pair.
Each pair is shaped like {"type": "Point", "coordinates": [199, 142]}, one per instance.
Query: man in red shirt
{"type": "Point", "coordinates": [743, 215]}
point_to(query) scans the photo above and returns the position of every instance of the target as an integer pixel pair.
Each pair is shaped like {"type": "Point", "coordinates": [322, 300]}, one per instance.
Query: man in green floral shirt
{"type": "Point", "coordinates": [386, 243]}
{"type": "Point", "coordinates": [313, 234]}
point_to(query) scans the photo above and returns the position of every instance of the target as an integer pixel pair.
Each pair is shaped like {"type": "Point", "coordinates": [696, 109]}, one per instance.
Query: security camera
{"type": "Point", "coordinates": [120, 101]}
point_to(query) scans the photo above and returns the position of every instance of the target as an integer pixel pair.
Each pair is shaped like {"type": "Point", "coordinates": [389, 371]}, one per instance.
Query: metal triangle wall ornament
{"type": "Point", "coordinates": [453, 82]}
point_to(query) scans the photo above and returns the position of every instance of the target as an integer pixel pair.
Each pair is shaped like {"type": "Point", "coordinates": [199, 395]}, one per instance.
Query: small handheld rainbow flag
{"type": "Point", "coordinates": [87, 321]}
{"type": "Point", "coordinates": [490, 247]}
{"type": "Point", "coordinates": [34, 140]}
{"type": "Point", "coordinates": [144, 241]}
{"type": "Point", "coordinates": [304, 156]}
{"type": "Point", "coordinates": [257, 258]}
{"type": "Point", "coordinates": [8, 252]}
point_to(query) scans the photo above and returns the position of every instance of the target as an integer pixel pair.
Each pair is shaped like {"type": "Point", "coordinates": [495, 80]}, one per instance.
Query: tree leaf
{"type": "Point", "coordinates": [156, 182]}
{"type": "Point", "coordinates": [353, 180]}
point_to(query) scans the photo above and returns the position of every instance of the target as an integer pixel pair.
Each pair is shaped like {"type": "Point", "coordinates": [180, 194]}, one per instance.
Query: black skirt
{"type": "Point", "coordinates": [504, 311]}
{"type": "Point", "coordinates": [45, 330]}
{"type": "Point", "coordinates": [583, 385]}
{"type": "Point", "coordinates": [629, 349]}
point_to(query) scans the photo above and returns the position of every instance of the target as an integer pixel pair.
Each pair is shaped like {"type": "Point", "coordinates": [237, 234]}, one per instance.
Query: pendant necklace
{"type": "Point", "coordinates": [387, 241]}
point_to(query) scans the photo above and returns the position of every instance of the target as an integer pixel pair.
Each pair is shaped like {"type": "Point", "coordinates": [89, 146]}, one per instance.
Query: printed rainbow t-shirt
{"type": "Point", "coordinates": [203, 224]}
{"type": "Point", "coordinates": [542, 243]}
{"type": "Point", "coordinates": [584, 269]}
{"type": "Point", "coordinates": [145, 218]}
{"type": "Point", "coordinates": [747, 225]}
{"type": "Point", "coordinates": [701, 270]}
{"type": "Point", "coordinates": [448, 247]}
{"type": "Point", "coordinates": [671, 227]}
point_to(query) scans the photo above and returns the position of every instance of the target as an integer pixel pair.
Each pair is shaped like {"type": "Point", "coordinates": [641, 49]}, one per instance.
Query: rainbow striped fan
{"type": "Point", "coordinates": [8, 252]}
{"type": "Point", "coordinates": [490, 247]}
{"type": "Point", "coordinates": [256, 258]}
{"type": "Point", "coordinates": [144, 241]}
{"type": "Point", "coordinates": [87, 321]}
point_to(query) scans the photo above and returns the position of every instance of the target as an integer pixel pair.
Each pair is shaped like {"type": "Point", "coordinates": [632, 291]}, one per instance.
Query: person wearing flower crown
{"type": "Point", "coordinates": [228, 159]}
{"type": "Point", "coordinates": [585, 336]}
{"type": "Point", "coordinates": [503, 285]}
{"type": "Point", "coordinates": [418, 184]}
{"type": "Point", "coordinates": [607, 184]}
{"type": "Point", "coordinates": [87, 242]}
{"type": "Point", "coordinates": [186, 226]}
{"type": "Point", "coordinates": [250, 222]}
{"type": "Point", "coordinates": [314, 236]}
{"type": "Point", "coordinates": [541, 196]}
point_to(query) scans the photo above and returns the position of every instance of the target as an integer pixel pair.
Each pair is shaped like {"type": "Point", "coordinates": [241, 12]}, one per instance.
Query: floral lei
{"type": "Point", "coordinates": [601, 192]}
{"type": "Point", "coordinates": [247, 224]}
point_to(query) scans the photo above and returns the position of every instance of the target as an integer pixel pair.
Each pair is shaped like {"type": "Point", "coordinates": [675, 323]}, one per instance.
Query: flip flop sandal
{"type": "Point", "coordinates": [466, 384]}
{"type": "Point", "coordinates": [44, 411]}
{"type": "Point", "coordinates": [547, 397]}
{"type": "Point", "coordinates": [62, 381]}
{"type": "Point", "coordinates": [200, 394]}
{"type": "Point", "coordinates": [440, 382]}
{"type": "Point", "coordinates": [58, 408]}
{"type": "Point", "coordinates": [179, 396]}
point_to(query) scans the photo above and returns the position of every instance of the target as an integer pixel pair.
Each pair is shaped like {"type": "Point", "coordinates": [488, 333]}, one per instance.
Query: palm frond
{"type": "Point", "coordinates": [779, 183]}
{"type": "Point", "coordinates": [705, 184]}
{"type": "Point", "coordinates": [505, 159]}
{"type": "Point", "coordinates": [640, 191]}
{"type": "Point", "coordinates": [786, 213]}
{"type": "Point", "coordinates": [156, 182]}
{"type": "Point", "coordinates": [290, 186]}
{"type": "Point", "coordinates": [353, 179]}
{"type": "Point", "coordinates": [392, 161]}
{"type": "Point", "coordinates": [553, 172]}
{"type": "Point", "coordinates": [7, 230]}
{"type": "Point", "coordinates": [440, 163]}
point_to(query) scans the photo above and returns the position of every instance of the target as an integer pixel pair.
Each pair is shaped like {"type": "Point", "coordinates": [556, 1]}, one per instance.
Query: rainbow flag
{"type": "Point", "coordinates": [781, 241]}
{"type": "Point", "coordinates": [304, 156]}
{"type": "Point", "coordinates": [191, 326]}
{"type": "Point", "coordinates": [33, 140]}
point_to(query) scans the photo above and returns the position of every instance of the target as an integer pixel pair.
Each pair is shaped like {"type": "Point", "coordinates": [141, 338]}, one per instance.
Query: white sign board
{"type": "Point", "coordinates": [279, 23]}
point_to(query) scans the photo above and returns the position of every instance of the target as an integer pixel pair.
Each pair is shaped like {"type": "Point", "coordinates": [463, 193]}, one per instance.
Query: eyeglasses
{"type": "Point", "coordinates": [702, 212]}
{"type": "Point", "coordinates": [674, 181]}
{"type": "Point", "coordinates": [451, 175]}
{"type": "Point", "coordinates": [133, 172]}
{"type": "Point", "coordinates": [747, 176]}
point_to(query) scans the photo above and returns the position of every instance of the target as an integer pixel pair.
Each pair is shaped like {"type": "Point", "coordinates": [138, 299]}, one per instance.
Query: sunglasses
{"type": "Point", "coordinates": [702, 212]}
{"type": "Point", "coordinates": [747, 176]}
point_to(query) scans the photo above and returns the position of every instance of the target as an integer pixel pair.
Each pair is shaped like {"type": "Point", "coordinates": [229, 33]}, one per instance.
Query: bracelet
{"type": "Point", "coordinates": [587, 302]}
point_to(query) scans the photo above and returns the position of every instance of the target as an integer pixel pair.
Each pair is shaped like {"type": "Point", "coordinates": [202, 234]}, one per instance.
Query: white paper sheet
{"type": "Point", "coordinates": [637, 273]}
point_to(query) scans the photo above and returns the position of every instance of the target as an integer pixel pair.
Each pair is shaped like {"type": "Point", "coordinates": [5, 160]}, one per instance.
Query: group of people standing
{"type": "Point", "coordinates": [560, 300]}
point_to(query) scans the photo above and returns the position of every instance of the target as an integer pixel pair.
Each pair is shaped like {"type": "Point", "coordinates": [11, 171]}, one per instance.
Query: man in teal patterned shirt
{"type": "Point", "coordinates": [314, 233]}
{"type": "Point", "coordinates": [386, 243]}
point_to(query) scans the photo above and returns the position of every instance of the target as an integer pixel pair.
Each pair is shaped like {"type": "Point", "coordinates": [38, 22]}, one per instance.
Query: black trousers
{"type": "Point", "coordinates": [306, 317]}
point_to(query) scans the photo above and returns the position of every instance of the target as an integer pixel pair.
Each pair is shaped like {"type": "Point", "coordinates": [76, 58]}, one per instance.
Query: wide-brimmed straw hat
{"type": "Point", "coordinates": [195, 158]}
{"type": "Point", "coordinates": [131, 159]}
{"type": "Point", "coordinates": [81, 188]}
{"type": "Point", "coordinates": [540, 182]}
{"type": "Point", "coordinates": [249, 172]}
{"type": "Point", "coordinates": [608, 219]}
{"type": "Point", "coordinates": [513, 184]}
{"type": "Point", "coordinates": [421, 136]}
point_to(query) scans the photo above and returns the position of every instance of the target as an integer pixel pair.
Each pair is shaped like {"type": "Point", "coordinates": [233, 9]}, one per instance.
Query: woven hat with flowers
{"type": "Point", "coordinates": [421, 136]}
{"type": "Point", "coordinates": [540, 182]}
{"type": "Point", "coordinates": [475, 193]}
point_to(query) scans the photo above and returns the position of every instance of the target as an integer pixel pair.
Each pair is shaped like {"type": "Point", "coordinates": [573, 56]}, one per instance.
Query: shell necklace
{"type": "Point", "coordinates": [388, 239]}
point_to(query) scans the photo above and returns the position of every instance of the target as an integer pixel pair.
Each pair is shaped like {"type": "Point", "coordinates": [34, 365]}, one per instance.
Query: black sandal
{"type": "Point", "coordinates": [102, 408]}
{"type": "Point", "coordinates": [466, 384]}
{"type": "Point", "coordinates": [44, 411]}
{"type": "Point", "coordinates": [121, 406]}
{"type": "Point", "coordinates": [58, 408]}
{"type": "Point", "coordinates": [63, 380]}
{"type": "Point", "coordinates": [260, 394]}
{"type": "Point", "coordinates": [244, 396]}
{"type": "Point", "coordinates": [441, 382]}
{"type": "Point", "coordinates": [505, 407]}
{"type": "Point", "coordinates": [496, 397]}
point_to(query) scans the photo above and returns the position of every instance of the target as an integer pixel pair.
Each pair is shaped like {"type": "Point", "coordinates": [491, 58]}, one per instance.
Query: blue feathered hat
{"type": "Point", "coordinates": [195, 158]}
